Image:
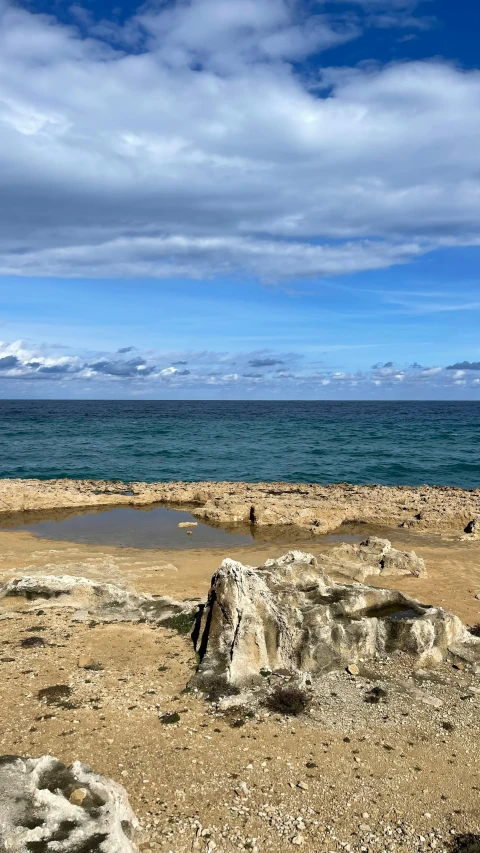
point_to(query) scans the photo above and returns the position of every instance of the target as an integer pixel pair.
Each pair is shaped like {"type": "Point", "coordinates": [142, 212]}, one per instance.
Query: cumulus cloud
{"type": "Point", "coordinates": [8, 361]}
{"type": "Point", "coordinates": [133, 367]}
{"type": "Point", "coordinates": [464, 365]}
{"type": "Point", "coordinates": [30, 369]}
{"type": "Point", "coordinates": [188, 142]}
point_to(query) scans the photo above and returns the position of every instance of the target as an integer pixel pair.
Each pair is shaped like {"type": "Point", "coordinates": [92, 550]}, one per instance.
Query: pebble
{"type": "Point", "coordinates": [298, 839]}
{"type": "Point", "coordinates": [77, 797]}
{"type": "Point", "coordinates": [353, 669]}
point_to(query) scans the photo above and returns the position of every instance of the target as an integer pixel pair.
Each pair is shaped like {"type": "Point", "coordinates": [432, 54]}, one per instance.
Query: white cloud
{"type": "Point", "coordinates": [31, 369]}
{"type": "Point", "coordinates": [194, 148]}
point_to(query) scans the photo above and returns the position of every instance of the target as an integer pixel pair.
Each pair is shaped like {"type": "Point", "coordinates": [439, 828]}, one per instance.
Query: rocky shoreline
{"type": "Point", "coordinates": [319, 509]}
{"type": "Point", "coordinates": [327, 701]}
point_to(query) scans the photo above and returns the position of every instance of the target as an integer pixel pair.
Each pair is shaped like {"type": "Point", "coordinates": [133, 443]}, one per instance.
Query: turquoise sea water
{"type": "Point", "coordinates": [320, 442]}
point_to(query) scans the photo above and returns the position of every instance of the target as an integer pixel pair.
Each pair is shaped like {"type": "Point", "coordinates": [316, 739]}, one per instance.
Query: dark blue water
{"type": "Point", "coordinates": [321, 442]}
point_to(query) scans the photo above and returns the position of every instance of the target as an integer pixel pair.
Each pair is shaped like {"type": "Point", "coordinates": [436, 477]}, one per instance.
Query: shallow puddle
{"type": "Point", "coordinates": [155, 527]}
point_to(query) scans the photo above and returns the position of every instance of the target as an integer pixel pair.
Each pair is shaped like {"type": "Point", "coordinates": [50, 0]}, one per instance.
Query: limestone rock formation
{"type": "Point", "coordinates": [47, 806]}
{"type": "Point", "coordinates": [309, 506]}
{"type": "Point", "coordinates": [374, 556]}
{"type": "Point", "coordinates": [289, 616]}
{"type": "Point", "coordinates": [104, 601]}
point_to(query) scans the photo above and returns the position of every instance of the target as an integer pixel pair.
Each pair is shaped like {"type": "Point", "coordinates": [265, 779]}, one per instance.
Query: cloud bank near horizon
{"type": "Point", "coordinates": [39, 369]}
{"type": "Point", "coordinates": [199, 139]}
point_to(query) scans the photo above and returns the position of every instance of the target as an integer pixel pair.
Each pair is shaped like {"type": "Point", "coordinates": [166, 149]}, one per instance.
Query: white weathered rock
{"type": "Point", "coordinates": [288, 616]}
{"type": "Point", "coordinates": [103, 601]}
{"type": "Point", "coordinates": [374, 556]}
{"type": "Point", "coordinates": [41, 809]}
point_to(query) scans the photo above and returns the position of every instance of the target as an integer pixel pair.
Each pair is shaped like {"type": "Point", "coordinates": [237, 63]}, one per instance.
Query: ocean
{"type": "Point", "coordinates": [392, 443]}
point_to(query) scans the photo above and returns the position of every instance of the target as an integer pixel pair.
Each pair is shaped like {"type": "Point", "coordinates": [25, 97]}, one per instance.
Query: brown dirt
{"type": "Point", "coordinates": [385, 776]}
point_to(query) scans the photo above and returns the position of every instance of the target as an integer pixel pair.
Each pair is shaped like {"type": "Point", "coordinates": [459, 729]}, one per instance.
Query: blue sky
{"type": "Point", "coordinates": [240, 199]}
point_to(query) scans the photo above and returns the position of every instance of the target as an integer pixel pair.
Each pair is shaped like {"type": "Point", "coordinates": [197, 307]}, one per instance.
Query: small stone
{"type": "Point", "coordinates": [242, 790]}
{"type": "Point", "coordinates": [86, 662]}
{"type": "Point", "coordinates": [432, 701]}
{"type": "Point", "coordinates": [303, 786]}
{"type": "Point", "coordinates": [298, 839]}
{"type": "Point", "coordinates": [353, 669]}
{"type": "Point", "coordinates": [77, 796]}
{"type": "Point", "coordinates": [170, 719]}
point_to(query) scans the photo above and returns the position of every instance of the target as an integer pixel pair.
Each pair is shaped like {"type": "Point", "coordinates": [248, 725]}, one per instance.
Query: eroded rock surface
{"type": "Point", "coordinates": [50, 808]}
{"type": "Point", "coordinates": [289, 616]}
{"type": "Point", "coordinates": [374, 556]}
{"type": "Point", "coordinates": [104, 601]}
{"type": "Point", "coordinates": [309, 506]}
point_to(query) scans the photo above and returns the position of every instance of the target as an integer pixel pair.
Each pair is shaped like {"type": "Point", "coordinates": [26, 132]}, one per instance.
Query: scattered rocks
{"type": "Point", "coordinates": [184, 524]}
{"type": "Point", "coordinates": [45, 806]}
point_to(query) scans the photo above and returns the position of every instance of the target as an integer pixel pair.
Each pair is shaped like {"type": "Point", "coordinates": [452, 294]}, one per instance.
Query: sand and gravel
{"type": "Point", "coordinates": [398, 774]}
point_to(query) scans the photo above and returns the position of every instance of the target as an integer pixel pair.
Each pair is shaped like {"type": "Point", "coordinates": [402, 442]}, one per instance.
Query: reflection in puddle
{"type": "Point", "coordinates": [156, 527]}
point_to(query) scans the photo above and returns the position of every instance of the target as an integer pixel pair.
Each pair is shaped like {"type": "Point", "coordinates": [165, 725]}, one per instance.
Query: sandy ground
{"type": "Point", "coordinates": [400, 774]}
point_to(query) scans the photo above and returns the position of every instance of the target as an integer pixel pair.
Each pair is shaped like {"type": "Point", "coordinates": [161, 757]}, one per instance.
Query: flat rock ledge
{"type": "Point", "coordinates": [374, 556]}
{"type": "Point", "coordinates": [50, 808]}
{"type": "Point", "coordinates": [317, 508]}
{"type": "Point", "coordinates": [90, 599]}
{"type": "Point", "coordinates": [288, 617]}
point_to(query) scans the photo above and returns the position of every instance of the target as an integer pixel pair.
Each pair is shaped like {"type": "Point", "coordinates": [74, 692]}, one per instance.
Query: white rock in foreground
{"type": "Point", "coordinates": [38, 809]}
{"type": "Point", "coordinates": [104, 601]}
{"type": "Point", "coordinates": [289, 615]}
{"type": "Point", "coordinates": [374, 556]}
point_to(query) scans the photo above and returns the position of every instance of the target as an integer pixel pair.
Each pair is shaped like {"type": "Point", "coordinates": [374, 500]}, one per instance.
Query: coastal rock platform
{"type": "Point", "coordinates": [317, 508]}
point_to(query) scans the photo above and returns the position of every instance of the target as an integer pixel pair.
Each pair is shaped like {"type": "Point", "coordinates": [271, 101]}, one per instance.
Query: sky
{"type": "Point", "coordinates": [240, 199]}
